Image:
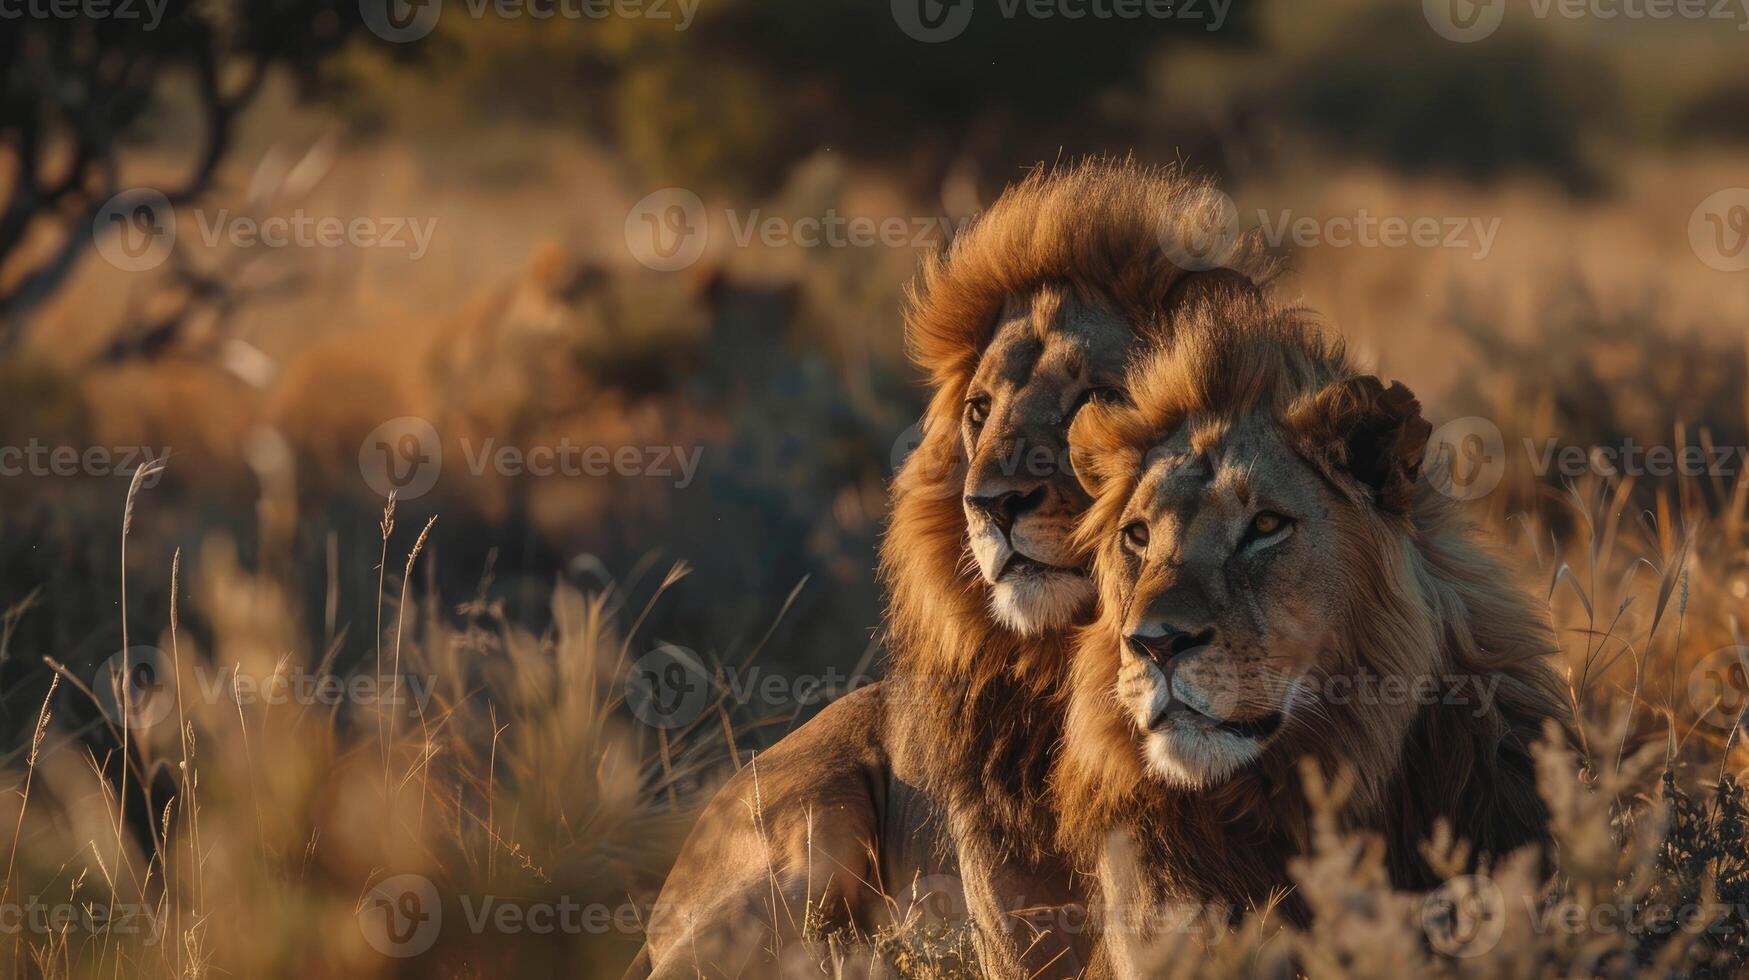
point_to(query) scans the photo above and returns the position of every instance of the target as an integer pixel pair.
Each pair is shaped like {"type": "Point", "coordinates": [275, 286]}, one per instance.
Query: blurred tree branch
{"type": "Point", "coordinates": [77, 98]}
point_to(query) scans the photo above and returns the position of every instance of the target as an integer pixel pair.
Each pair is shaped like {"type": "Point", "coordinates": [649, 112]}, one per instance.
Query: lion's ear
{"type": "Point", "coordinates": [1213, 288]}
{"type": "Point", "coordinates": [1086, 433]}
{"type": "Point", "coordinates": [1374, 433]}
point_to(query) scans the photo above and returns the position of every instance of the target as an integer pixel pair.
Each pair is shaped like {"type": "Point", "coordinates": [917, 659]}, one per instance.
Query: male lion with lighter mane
{"type": "Point", "coordinates": [1280, 581]}
{"type": "Point", "coordinates": [938, 774]}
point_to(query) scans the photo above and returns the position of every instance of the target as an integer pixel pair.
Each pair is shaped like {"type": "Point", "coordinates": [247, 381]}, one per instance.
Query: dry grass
{"type": "Point", "coordinates": [253, 831]}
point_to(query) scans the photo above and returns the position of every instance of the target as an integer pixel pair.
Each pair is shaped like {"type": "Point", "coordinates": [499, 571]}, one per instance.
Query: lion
{"type": "Point", "coordinates": [1280, 581]}
{"type": "Point", "coordinates": [938, 774]}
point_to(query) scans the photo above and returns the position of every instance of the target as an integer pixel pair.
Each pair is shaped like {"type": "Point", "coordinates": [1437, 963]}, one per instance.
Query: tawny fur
{"type": "Point", "coordinates": [1429, 594]}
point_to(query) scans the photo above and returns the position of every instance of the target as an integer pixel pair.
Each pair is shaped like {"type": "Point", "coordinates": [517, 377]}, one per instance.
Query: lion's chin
{"type": "Point", "coordinates": [1198, 759]}
{"type": "Point", "coordinates": [1041, 602]}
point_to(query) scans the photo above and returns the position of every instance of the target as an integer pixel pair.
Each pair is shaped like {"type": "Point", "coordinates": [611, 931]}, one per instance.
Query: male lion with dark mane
{"type": "Point", "coordinates": [1279, 581]}
{"type": "Point", "coordinates": [939, 772]}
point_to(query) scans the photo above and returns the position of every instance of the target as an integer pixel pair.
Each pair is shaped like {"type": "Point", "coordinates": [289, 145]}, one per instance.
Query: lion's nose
{"type": "Point", "coordinates": [1168, 643]}
{"type": "Point", "coordinates": [1003, 509]}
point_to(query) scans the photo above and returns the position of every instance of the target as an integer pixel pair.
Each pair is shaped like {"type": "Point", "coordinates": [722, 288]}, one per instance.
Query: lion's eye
{"type": "Point", "coordinates": [977, 410]}
{"type": "Point", "coordinates": [1103, 394]}
{"type": "Point", "coordinates": [1266, 526]}
{"type": "Point", "coordinates": [1136, 535]}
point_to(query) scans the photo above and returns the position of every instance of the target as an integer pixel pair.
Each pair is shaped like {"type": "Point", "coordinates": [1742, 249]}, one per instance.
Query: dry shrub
{"type": "Point", "coordinates": [1641, 884]}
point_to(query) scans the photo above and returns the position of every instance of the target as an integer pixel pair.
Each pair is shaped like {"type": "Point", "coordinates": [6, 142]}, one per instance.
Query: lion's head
{"type": "Point", "coordinates": [1277, 581]}
{"type": "Point", "coordinates": [1253, 534]}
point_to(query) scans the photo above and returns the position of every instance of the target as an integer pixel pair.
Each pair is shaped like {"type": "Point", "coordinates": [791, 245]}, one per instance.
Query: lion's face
{"type": "Point", "coordinates": [1222, 564]}
{"type": "Point", "coordinates": [1048, 358]}
{"type": "Point", "coordinates": [1235, 569]}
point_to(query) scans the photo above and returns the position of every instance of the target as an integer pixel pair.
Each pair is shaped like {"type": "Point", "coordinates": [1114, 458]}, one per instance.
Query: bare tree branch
{"type": "Point", "coordinates": [74, 90]}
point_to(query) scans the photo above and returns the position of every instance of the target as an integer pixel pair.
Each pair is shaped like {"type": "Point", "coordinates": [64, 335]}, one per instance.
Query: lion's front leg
{"type": "Point", "coordinates": [1028, 921]}
{"type": "Point", "coordinates": [783, 855]}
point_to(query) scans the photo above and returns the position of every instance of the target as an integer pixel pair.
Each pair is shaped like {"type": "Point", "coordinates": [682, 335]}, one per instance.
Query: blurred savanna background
{"type": "Point", "coordinates": [298, 254]}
